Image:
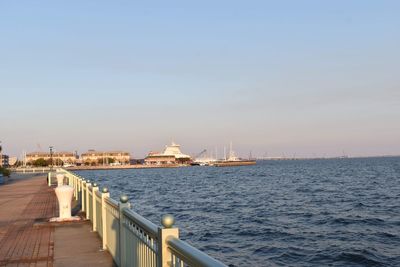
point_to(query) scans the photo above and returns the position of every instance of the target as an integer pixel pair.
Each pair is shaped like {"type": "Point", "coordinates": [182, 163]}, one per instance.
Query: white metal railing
{"type": "Point", "coordinates": [131, 239]}
{"type": "Point", "coordinates": [99, 211]}
{"type": "Point", "coordinates": [111, 237]}
{"type": "Point", "coordinates": [90, 204]}
{"type": "Point", "coordinates": [183, 254]}
{"type": "Point", "coordinates": [31, 170]}
{"type": "Point", "coordinates": [143, 237]}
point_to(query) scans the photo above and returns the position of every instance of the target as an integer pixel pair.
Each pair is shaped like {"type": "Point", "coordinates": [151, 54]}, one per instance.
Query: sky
{"type": "Point", "coordinates": [277, 78]}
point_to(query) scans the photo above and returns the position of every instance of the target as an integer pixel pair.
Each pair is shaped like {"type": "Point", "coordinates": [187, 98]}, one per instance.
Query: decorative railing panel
{"type": "Point", "coordinates": [112, 226]}
{"type": "Point", "coordinates": [90, 203]}
{"type": "Point", "coordinates": [83, 197]}
{"type": "Point", "coordinates": [183, 254]}
{"type": "Point", "coordinates": [142, 236]}
{"type": "Point", "coordinates": [99, 221]}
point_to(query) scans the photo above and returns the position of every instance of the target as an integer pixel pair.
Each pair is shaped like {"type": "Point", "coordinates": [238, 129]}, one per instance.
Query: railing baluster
{"type": "Point", "coordinates": [105, 194]}
{"type": "Point", "coordinates": [94, 207]}
{"type": "Point", "coordinates": [122, 205]}
{"type": "Point", "coordinates": [83, 193]}
{"type": "Point", "coordinates": [88, 185]}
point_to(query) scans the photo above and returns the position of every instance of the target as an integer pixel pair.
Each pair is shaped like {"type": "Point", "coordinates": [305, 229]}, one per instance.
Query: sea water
{"type": "Point", "coordinates": [332, 212]}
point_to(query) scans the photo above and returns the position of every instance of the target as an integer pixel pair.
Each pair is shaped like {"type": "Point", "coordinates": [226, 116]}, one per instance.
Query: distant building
{"type": "Point", "coordinates": [59, 158]}
{"type": "Point", "coordinates": [93, 157]}
{"type": "Point", "coordinates": [12, 161]}
{"type": "Point", "coordinates": [4, 162]}
{"type": "Point", "coordinates": [172, 155]}
{"type": "Point", "coordinates": [155, 158]}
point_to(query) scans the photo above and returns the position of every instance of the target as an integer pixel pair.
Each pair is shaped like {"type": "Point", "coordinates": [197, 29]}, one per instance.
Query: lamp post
{"type": "Point", "coordinates": [51, 158]}
{"type": "Point", "coordinates": [1, 156]}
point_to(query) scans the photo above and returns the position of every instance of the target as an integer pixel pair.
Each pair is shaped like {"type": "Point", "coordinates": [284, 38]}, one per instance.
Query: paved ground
{"type": "Point", "coordinates": [87, 253]}
{"type": "Point", "coordinates": [27, 239]}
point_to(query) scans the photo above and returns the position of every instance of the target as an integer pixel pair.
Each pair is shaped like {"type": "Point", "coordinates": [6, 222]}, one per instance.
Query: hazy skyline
{"type": "Point", "coordinates": [310, 78]}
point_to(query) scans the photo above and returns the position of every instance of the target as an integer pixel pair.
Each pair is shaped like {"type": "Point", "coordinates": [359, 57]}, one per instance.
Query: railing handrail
{"type": "Point", "coordinates": [142, 222]}
{"type": "Point", "coordinates": [191, 255]}
{"type": "Point", "coordinates": [111, 202]}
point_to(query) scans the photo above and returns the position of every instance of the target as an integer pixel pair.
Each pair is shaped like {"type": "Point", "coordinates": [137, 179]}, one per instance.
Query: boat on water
{"type": "Point", "coordinates": [233, 160]}
{"type": "Point", "coordinates": [233, 163]}
{"type": "Point", "coordinates": [206, 161]}
{"type": "Point", "coordinates": [202, 159]}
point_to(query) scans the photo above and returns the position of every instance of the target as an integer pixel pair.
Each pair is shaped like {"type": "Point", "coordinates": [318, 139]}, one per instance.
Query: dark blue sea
{"type": "Point", "coordinates": [333, 212]}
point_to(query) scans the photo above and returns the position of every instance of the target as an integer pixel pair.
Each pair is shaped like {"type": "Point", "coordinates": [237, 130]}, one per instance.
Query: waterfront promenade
{"type": "Point", "coordinates": [26, 237]}
{"type": "Point", "coordinates": [100, 167]}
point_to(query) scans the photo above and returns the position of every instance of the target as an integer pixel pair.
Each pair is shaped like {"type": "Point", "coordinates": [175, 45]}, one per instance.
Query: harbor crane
{"type": "Point", "coordinates": [200, 154]}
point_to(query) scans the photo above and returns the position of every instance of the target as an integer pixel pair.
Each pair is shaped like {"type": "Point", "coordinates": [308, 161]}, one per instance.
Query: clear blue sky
{"type": "Point", "coordinates": [282, 77]}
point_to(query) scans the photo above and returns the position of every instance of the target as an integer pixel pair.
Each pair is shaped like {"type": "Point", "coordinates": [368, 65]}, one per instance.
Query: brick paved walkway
{"type": "Point", "coordinates": [27, 239]}
{"type": "Point", "coordinates": [24, 241]}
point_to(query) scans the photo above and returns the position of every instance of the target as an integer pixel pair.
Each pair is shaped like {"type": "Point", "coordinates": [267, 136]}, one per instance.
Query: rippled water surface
{"type": "Point", "coordinates": [343, 212]}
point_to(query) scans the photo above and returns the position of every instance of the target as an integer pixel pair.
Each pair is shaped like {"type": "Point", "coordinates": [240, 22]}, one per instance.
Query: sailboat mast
{"type": "Point", "coordinates": [224, 152]}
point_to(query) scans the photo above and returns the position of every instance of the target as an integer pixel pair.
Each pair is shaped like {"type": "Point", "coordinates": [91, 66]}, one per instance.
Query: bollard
{"type": "Point", "coordinates": [49, 179]}
{"type": "Point", "coordinates": [122, 205]}
{"type": "Point", "coordinates": [64, 195]}
{"type": "Point", "coordinates": [60, 179]}
{"type": "Point", "coordinates": [163, 233]}
{"type": "Point", "coordinates": [104, 194]}
{"type": "Point", "coordinates": [94, 203]}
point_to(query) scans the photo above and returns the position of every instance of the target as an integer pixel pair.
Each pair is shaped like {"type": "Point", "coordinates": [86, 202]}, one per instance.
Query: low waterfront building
{"type": "Point", "coordinates": [93, 157]}
{"type": "Point", "coordinates": [172, 155]}
{"type": "Point", "coordinates": [59, 158]}
{"type": "Point", "coordinates": [12, 161]}
{"type": "Point", "coordinates": [155, 158]}
{"type": "Point", "coordinates": [4, 162]}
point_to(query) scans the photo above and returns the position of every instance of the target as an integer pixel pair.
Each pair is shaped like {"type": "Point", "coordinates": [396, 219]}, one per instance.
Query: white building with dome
{"type": "Point", "coordinates": [172, 155]}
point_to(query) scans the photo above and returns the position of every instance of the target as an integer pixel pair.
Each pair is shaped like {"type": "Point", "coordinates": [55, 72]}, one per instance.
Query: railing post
{"type": "Point", "coordinates": [79, 183]}
{"type": "Point", "coordinates": [164, 255]}
{"type": "Point", "coordinates": [94, 203]}
{"type": "Point", "coordinates": [79, 188]}
{"type": "Point", "coordinates": [87, 199]}
{"type": "Point", "coordinates": [76, 184]}
{"type": "Point", "coordinates": [83, 195]}
{"type": "Point", "coordinates": [49, 178]}
{"type": "Point", "coordinates": [122, 246]}
{"type": "Point", "coordinates": [104, 195]}
{"type": "Point", "coordinates": [73, 183]}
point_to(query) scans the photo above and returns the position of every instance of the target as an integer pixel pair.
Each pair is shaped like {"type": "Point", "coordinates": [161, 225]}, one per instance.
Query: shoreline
{"type": "Point", "coordinates": [136, 166]}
